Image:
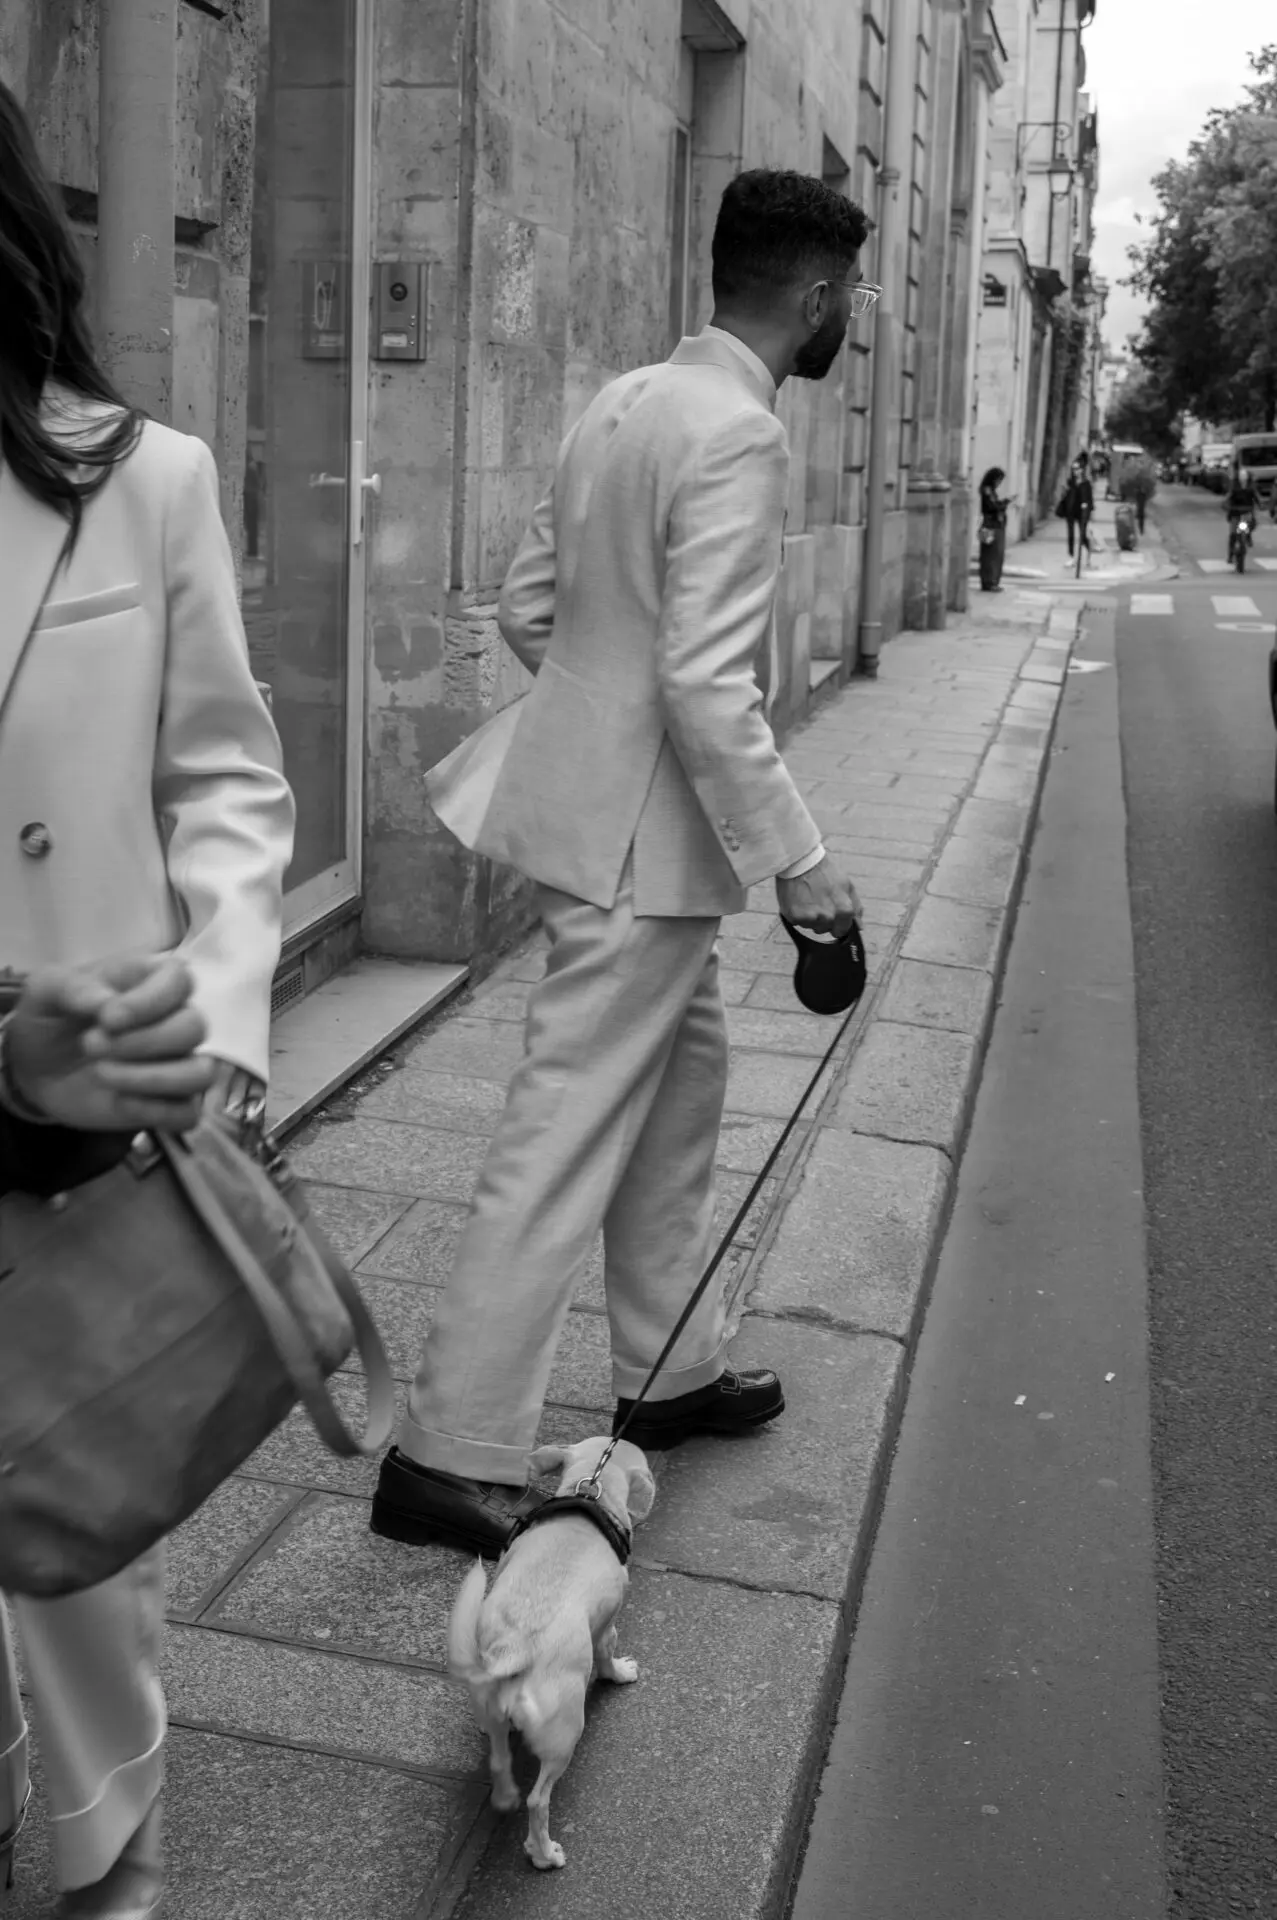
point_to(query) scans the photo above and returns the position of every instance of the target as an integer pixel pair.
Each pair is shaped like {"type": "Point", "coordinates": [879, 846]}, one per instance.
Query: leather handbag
{"type": "Point", "coordinates": [156, 1324]}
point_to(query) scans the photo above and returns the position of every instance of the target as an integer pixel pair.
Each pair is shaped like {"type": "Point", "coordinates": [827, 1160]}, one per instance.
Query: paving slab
{"type": "Point", "coordinates": [783, 1508]}
{"type": "Point", "coordinates": [325, 1580]}
{"type": "Point", "coordinates": [910, 1083]}
{"type": "Point", "coordinates": [922, 994]}
{"type": "Point", "coordinates": [854, 1245]}
{"type": "Point", "coordinates": [205, 1550]}
{"type": "Point", "coordinates": [976, 869]}
{"type": "Point", "coordinates": [717, 1743]}
{"type": "Point", "coordinates": [249, 1832]}
{"type": "Point", "coordinates": [953, 935]}
{"type": "Point", "coordinates": [428, 1162]}
{"type": "Point", "coordinates": [365, 1709]}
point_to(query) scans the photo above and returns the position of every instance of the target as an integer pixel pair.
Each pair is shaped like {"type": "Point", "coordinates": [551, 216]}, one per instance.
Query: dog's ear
{"type": "Point", "coordinates": [640, 1492]}
{"type": "Point", "coordinates": [546, 1459]}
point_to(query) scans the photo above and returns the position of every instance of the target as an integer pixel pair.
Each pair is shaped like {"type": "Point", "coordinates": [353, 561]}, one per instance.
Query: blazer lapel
{"type": "Point", "coordinates": [32, 538]}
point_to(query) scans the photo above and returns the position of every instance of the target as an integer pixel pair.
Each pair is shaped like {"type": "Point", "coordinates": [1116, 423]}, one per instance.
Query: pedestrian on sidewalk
{"type": "Point", "coordinates": [1139, 487]}
{"type": "Point", "coordinates": [142, 806]}
{"type": "Point", "coordinates": [993, 531]}
{"type": "Point", "coordinates": [1077, 504]}
{"type": "Point", "coordinates": [642, 788]}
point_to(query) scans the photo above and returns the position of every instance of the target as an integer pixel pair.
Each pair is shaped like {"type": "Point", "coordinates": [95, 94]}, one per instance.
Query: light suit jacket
{"type": "Point", "coordinates": [142, 802]}
{"type": "Point", "coordinates": [641, 599]}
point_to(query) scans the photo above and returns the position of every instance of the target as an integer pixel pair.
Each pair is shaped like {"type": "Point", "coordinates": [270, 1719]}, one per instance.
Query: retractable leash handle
{"type": "Point", "coordinates": [829, 978]}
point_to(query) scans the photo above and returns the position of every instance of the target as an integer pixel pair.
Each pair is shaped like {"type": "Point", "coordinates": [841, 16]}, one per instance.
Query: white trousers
{"type": "Point", "coordinates": [611, 1121]}
{"type": "Point", "coordinates": [92, 1670]}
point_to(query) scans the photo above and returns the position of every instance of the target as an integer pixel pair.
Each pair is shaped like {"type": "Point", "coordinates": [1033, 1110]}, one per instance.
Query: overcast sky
{"type": "Point", "coordinates": [1154, 69]}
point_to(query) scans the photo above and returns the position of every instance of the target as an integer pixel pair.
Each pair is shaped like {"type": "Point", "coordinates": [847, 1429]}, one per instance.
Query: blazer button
{"type": "Point", "coordinates": [35, 840]}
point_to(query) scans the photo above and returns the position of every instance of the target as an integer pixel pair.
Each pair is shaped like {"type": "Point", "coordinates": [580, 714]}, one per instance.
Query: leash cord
{"type": "Point", "coordinates": [721, 1249]}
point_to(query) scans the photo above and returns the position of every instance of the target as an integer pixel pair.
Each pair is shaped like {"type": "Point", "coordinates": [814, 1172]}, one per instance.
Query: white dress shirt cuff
{"type": "Point", "coordinates": [805, 865]}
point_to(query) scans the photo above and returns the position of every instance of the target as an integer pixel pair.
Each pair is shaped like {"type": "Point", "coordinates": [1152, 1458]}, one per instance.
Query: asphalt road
{"type": "Point", "coordinates": [1198, 747]}
{"type": "Point", "coordinates": [1040, 1588]}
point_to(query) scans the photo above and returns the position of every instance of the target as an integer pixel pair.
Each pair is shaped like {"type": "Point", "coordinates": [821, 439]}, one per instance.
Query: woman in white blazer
{"type": "Point", "coordinates": [142, 808]}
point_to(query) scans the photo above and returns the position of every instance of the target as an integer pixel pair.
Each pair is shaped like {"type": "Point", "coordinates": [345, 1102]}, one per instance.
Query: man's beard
{"type": "Point", "coordinates": [813, 361]}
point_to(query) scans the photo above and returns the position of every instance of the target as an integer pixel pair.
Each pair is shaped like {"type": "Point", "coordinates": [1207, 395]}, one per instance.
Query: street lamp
{"type": "Point", "coordinates": [1060, 176]}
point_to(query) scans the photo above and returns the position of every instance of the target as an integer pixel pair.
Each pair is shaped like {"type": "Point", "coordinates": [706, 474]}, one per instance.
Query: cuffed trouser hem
{"type": "Point", "coordinates": [669, 1382]}
{"type": "Point", "coordinates": [15, 1776]}
{"type": "Point", "coordinates": [87, 1844]}
{"type": "Point", "coordinates": [470, 1459]}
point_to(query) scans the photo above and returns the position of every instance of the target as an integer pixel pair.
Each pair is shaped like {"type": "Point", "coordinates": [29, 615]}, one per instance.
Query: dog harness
{"type": "Point", "coordinates": [590, 1506]}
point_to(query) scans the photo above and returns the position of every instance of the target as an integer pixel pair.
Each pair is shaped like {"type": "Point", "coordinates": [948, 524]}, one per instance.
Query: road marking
{"type": "Point", "coordinates": [1261, 560]}
{"type": "Point", "coordinates": [1087, 666]}
{"type": "Point", "coordinates": [1244, 626]}
{"type": "Point", "coordinates": [1235, 606]}
{"type": "Point", "coordinates": [1214, 566]}
{"type": "Point", "coordinates": [1152, 603]}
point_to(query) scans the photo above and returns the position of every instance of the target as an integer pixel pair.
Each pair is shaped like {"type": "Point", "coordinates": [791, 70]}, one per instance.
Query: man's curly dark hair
{"type": "Point", "coordinates": [773, 228]}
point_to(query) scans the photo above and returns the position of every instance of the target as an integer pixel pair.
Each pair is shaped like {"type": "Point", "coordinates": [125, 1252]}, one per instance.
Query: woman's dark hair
{"type": "Point", "coordinates": [993, 478]}
{"type": "Point", "coordinates": [44, 336]}
{"type": "Point", "coordinates": [773, 228]}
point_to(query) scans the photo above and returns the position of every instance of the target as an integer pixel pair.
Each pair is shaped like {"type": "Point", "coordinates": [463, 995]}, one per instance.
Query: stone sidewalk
{"type": "Point", "coordinates": [1043, 559]}
{"type": "Point", "coordinates": [322, 1763]}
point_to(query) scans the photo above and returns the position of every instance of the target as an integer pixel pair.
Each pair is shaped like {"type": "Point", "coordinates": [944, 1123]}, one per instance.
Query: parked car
{"type": "Point", "coordinates": [1217, 461]}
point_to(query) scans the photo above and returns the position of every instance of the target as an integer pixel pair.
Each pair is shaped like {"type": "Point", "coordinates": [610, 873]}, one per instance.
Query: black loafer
{"type": "Point", "coordinates": [421, 1505]}
{"type": "Point", "coordinates": [733, 1403]}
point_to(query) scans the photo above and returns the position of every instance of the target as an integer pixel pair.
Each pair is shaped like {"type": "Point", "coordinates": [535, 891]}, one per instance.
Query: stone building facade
{"type": "Point", "coordinates": [1039, 305]}
{"type": "Point", "coordinates": [413, 238]}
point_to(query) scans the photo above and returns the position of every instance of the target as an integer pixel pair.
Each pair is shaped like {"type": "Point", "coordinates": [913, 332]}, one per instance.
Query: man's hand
{"type": "Point", "coordinates": [111, 1048]}
{"type": "Point", "coordinates": [820, 900]}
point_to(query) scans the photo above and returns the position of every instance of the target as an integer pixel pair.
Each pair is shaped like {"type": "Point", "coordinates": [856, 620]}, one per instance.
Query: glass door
{"type": "Point", "coordinates": [305, 483]}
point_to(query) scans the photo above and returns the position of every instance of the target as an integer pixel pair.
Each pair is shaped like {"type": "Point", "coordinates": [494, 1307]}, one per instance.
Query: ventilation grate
{"type": "Point", "coordinates": [286, 988]}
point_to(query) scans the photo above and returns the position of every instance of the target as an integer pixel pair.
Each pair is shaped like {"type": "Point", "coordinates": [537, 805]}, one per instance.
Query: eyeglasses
{"type": "Point", "coordinates": [864, 294]}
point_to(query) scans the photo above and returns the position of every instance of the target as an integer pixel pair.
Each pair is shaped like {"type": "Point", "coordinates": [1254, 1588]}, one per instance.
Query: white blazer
{"type": "Point", "coordinates": [142, 802]}
{"type": "Point", "coordinates": [641, 598]}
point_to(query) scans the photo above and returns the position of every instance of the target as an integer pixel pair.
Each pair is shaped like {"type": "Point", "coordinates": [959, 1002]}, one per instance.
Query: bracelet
{"type": "Point", "coordinates": [12, 1097]}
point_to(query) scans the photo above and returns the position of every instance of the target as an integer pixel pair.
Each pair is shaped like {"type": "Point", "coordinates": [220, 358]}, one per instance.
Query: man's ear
{"type": "Point", "coordinates": [546, 1459]}
{"type": "Point", "coordinates": [816, 303]}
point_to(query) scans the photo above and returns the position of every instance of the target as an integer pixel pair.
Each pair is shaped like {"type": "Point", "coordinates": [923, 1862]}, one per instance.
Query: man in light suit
{"type": "Point", "coordinates": [640, 785]}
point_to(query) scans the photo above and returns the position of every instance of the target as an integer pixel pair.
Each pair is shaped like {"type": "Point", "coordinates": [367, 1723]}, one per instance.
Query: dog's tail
{"type": "Point", "coordinates": [463, 1626]}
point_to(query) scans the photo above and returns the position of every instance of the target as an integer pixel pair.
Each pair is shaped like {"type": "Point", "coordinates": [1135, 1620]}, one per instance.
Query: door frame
{"type": "Point", "coordinates": [338, 884]}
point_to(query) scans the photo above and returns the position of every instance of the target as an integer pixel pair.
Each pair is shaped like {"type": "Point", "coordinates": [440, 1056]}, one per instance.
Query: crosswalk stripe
{"type": "Point", "coordinates": [1234, 606]}
{"type": "Point", "coordinates": [1152, 603]}
{"type": "Point", "coordinates": [1214, 566]}
{"type": "Point", "coordinates": [1262, 560]}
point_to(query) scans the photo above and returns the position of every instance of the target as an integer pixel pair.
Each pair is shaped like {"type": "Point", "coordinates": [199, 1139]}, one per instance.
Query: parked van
{"type": "Point", "coordinates": [1258, 453]}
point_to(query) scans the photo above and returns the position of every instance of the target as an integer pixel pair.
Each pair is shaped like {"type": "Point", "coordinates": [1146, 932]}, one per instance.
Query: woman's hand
{"type": "Point", "coordinates": [110, 1048]}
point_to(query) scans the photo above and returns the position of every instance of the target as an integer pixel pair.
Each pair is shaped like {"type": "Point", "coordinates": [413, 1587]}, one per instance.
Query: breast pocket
{"type": "Point", "coordinates": [88, 606]}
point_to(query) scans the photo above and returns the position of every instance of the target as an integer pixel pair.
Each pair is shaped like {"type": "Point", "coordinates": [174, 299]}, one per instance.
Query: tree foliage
{"type": "Point", "coordinates": [1141, 413]}
{"type": "Point", "coordinates": [1210, 265]}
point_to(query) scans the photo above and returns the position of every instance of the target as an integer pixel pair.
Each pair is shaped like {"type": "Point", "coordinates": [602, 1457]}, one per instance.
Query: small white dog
{"type": "Point", "coordinates": [526, 1649]}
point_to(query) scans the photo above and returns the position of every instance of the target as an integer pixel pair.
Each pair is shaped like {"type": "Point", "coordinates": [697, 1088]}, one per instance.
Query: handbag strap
{"type": "Point", "coordinates": [289, 1338]}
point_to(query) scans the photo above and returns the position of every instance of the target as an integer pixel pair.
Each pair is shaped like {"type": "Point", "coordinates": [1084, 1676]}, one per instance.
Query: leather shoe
{"type": "Point", "coordinates": [421, 1504]}
{"type": "Point", "coordinates": [731, 1404]}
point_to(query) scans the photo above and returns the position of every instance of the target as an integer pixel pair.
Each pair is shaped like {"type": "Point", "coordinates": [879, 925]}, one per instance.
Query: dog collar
{"type": "Point", "coordinates": [560, 1503]}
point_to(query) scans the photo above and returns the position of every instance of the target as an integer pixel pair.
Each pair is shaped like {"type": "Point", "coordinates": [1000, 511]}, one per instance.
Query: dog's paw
{"type": "Point", "coordinates": [624, 1672]}
{"type": "Point", "coordinates": [554, 1855]}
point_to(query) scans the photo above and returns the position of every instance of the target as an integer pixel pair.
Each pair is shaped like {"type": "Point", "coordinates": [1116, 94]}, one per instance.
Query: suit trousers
{"type": "Point", "coordinates": [92, 1670]}
{"type": "Point", "coordinates": [611, 1121]}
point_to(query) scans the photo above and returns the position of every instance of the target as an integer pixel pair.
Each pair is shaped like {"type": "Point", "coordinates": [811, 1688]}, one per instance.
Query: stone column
{"type": "Point", "coordinates": [926, 581]}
